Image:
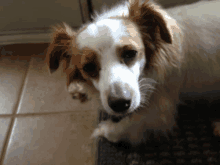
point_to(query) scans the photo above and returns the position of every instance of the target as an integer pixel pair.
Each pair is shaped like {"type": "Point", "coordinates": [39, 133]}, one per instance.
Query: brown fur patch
{"type": "Point", "coordinates": [150, 21]}
{"type": "Point", "coordinates": [64, 48]}
{"type": "Point", "coordinates": [134, 35]}
{"type": "Point", "coordinates": [133, 42]}
{"type": "Point", "coordinates": [120, 50]}
{"type": "Point", "coordinates": [73, 74]}
{"type": "Point", "coordinates": [61, 47]}
{"type": "Point", "coordinates": [78, 62]}
{"type": "Point", "coordinates": [157, 32]}
{"type": "Point", "coordinates": [89, 57]}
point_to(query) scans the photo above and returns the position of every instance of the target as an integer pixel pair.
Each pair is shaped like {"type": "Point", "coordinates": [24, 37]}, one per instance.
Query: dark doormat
{"type": "Point", "coordinates": [193, 142]}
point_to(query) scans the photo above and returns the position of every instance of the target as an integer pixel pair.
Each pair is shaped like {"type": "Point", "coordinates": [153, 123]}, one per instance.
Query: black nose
{"type": "Point", "coordinates": [119, 105]}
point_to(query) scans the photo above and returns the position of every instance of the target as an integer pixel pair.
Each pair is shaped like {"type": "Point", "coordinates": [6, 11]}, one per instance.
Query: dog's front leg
{"type": "Point", "coordinates": [156, 119]}
{"type": "Point", "coordinates": [110, 130]}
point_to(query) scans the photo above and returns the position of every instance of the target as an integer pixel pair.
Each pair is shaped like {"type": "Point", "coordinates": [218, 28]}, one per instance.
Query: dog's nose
{"type": "Point", "coordinates": [119, 99]}
{"type": "Point", "coordinates": [119, 105]}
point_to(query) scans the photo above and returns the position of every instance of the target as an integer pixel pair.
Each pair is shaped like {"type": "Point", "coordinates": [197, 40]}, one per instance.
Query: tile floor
{"type": "Point", "coordinates": [40, 124]}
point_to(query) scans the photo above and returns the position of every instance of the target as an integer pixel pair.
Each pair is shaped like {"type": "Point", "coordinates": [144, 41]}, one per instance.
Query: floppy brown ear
{"type": "Point", "coordinates": [60, 47]}
{"type": "Point", "coordinates": [149, 18]}
{"type": "Point", "coordinates": [158, 31]}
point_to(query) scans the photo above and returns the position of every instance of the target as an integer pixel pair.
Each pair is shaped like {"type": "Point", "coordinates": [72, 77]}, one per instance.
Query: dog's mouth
{"type": "Point", "coordinates": [118, 118]}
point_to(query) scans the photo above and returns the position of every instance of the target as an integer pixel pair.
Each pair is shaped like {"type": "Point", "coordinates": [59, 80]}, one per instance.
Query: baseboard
{"type": "Point", "coordinates": [25, 36]}
{"type": "Point", "coordinates": [40, 35]}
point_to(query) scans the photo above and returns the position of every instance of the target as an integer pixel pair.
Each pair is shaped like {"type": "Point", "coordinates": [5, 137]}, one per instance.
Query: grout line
{"type": "Point", "coordinates": [6, 141]}
{"type": "Point", "coordinates": [7, 138]}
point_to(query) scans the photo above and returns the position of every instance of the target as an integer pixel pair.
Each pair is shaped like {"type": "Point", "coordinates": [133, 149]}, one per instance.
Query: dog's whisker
{"type": "Point", "coordinates": [148, 80]}
{"type": "Point", "coordinates": [147, 91]}
{"type": "Point", "coordinates": [146, 87]}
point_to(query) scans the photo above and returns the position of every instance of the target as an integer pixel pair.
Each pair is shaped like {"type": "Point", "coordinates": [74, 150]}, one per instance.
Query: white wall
{"type": "Point", "coordinates": [28, 21]}
{"type": "Point", "coordinates": [25, 14]}
{"type": "Point", "coordinates": [36, 16]}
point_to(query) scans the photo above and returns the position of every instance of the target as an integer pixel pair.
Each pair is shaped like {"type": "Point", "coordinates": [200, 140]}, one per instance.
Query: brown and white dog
{"type": "Point", "coordinates": [143, 60]}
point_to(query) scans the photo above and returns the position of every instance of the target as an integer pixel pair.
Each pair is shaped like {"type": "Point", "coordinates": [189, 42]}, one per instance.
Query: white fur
{"type": "Point", "coordinates": [103, 36]}
{"type": "Point", "coordinates": [118, 10]}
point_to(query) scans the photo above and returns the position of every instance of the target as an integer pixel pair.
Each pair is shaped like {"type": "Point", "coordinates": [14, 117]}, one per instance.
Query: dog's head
{"type": "Point", "coordinates": [114, 52]}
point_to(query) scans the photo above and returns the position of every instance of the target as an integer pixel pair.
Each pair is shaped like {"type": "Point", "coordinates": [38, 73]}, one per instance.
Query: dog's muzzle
{"type": "Point", "coordinates": [119, 99]}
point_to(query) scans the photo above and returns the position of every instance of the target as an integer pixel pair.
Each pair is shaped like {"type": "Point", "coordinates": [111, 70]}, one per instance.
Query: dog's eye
{"type": "Point", "coordinates": [91, 69]}
{"type": "Point", "coordinates": [129, 55]}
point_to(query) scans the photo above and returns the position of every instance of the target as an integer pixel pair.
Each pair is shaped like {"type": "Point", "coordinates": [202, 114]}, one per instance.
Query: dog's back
{"type": "Point", "coordinates": [200, 24]}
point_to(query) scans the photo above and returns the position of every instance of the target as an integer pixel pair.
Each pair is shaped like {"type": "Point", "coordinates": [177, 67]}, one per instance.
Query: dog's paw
{"type": "Point", "coordinates": [107, 129]}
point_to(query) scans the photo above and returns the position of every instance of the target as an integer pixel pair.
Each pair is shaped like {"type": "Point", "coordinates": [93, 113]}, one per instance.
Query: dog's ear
{"type": "Point", "coordinates": [61, 47]}
{"type": "Point", "coordinates": [151, 21]}
{"type": "Point", "coordinates": [158, 31]}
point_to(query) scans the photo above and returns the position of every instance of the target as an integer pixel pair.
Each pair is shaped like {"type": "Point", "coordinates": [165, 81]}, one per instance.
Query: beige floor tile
{"type": "Point", "coordinates": [12, 74]}
{"type": "Point", "coordinates": [4, 126]}
{"type": "Point", "coordinates": [46, 93]}
{"type": "Point", "coordinates": [61, 139]}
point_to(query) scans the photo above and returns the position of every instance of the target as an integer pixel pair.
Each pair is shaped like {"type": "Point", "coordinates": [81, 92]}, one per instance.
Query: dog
{"type": "Point", "coordinates": [143, 61]}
